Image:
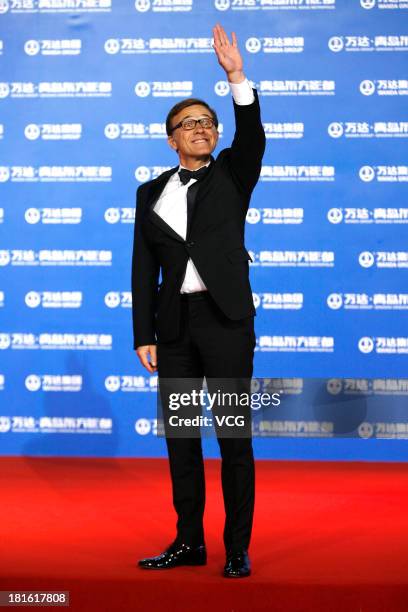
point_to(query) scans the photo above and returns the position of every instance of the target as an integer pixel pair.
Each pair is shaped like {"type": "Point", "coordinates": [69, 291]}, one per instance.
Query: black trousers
{"type": "Point", "coordinates": [211, 345]}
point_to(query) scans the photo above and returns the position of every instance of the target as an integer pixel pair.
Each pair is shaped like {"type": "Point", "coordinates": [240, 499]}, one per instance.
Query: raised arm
{"type": "Point", "coordinates": [248, 146]}
{"type": "Point", "coordinates": [228, 54]}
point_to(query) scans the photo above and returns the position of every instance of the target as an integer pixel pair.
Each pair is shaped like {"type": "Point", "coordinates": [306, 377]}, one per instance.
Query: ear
{"type": "Point", "coordinates": [172, 143]}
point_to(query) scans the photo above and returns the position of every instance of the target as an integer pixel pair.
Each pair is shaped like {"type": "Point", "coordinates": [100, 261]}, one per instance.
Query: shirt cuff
{"type": "Point", "coordinates": [242, 92]}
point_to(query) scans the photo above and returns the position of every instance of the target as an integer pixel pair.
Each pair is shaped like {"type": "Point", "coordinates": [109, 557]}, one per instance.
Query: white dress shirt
{"type": "Point", "coordinates": [172, 204]}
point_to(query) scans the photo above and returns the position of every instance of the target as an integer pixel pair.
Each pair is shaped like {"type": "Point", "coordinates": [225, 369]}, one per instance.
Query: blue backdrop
{"type": "Point", "coordinates": [85, 86]}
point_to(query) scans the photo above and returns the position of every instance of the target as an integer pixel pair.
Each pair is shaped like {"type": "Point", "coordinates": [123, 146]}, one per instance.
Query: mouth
{"type": "Point", "coordinates": [200, 140]}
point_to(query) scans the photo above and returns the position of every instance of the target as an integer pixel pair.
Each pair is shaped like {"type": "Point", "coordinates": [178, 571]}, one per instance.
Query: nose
{"type": "Point", "coordinates": [198, 127]}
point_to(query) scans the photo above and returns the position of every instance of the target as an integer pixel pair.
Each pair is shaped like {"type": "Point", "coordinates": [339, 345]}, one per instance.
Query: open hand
{"type": "Point", "coordinates": [228, 54]}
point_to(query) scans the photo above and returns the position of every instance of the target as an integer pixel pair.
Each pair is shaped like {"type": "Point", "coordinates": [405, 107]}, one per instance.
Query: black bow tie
{"type": "Point", "coordinates": [185, 175]}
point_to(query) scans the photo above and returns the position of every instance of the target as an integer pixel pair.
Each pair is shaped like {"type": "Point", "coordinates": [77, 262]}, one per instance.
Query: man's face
{"type": "Point", "coordinates": [198, 143]}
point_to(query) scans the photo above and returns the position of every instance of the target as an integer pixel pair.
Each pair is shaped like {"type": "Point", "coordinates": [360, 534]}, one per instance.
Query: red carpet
{"type": "Point", "coordinates": [327, 536]}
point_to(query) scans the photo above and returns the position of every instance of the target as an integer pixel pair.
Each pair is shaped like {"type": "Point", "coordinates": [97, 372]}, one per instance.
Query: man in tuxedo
{"type": "Point", "coordinates": [200, 321]}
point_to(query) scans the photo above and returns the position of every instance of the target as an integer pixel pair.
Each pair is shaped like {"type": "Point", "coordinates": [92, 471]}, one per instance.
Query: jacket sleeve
{"type": "Point", "coordinates": [248, 146]}
{"type": "Point", "coordinates": [145, 274]}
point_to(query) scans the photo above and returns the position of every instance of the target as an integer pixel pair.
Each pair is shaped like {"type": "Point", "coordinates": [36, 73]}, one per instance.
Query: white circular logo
{"type": "Point", "coordinates": [32, 47]}
{"type": "Point", "coordinates": [4, 6]}
{"type": "Point", "coordinates": [221, 88]}
{"type": "Point", "coordinates": [4, 174]}
{"type": "Point", "coordinates": [4, 90]}
{"type": "Point", "coordinates": [367, 4]}
{"type": "Point", "coordinates": [366, 173]}
{"type": "Point", "coordinates": [112, 46]}
{"type": "Point", "coordinates": [142, 89]}
{"type": "Point", "coordinates": [112, 215]}
{"type": "Point", "coordinates": [366, 344]}
{"type": "Point", "coordinates": [4, 258]}
{"type": "Point", "coordinates": [4, 341]}
{"type": "Point", "coordinates": [222, 5]}
{"type": "Point", "coordinates": [112, 130]}
{"type": "Point", "coordinates": [253, 215]}
{"type": "Point", "coordinates": [367, 88]}
{"type": "Point", "coordinates": [253, 45]}
{"type": "Point", "coordinates": [112, 383]}
{"type": "Point", "coordinates": [32, 131]}
{"type": "Point", "coordinates": [335, 130]}
{"type": "Point", "coordinates": [33, 299]}
{"type": "Point", "coordinates": [365, 430]}
{"type": "Point", "coordinates": [112, 299]}
{"type": "Point", "coordinates": [142, 426]}
{"type": "Point", "coordinates": [5, 424]}
{"type": "Point", "coordinates": [335, 215]}
{"type": "Point", "coordinates": [33, 382]}
{"type": "Point", "coordinates": [334, 386]}
{"type": "Point", "coordinates": [336, 43]}
{"type": "Point", "coordinates": [255, 385]}
{"type": "Point", "coordinates": [142, 174]}
{"type": "Point", "coordinates": [366, 259]}
{"type": "Point", "coordinates": [142, 5]}
{"type": "Point", "coordinates": [256, 299]}
{"type": "Point", "coordinates": [335, 301]}
{"type": "Point", "coordinates": [32, 215]}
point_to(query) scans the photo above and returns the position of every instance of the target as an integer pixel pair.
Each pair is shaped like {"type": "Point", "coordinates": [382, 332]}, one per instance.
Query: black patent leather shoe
{"type": "Point", "coordinates": [175, 555]}
{"type": "Point", "coordinates": [237, 565]}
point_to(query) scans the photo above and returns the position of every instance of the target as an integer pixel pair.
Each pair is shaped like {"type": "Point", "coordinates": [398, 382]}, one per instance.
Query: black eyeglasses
{"type": "Point", "coordinates": [189, 123]}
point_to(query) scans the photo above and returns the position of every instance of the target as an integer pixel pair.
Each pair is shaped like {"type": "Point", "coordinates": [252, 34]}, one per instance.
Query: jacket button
{"type": "Point", "coordinates": [190, 244]}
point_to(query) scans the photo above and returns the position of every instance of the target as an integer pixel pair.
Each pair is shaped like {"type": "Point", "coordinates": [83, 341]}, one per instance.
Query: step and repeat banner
{"type": "Point", "coordinates": [85, 86]}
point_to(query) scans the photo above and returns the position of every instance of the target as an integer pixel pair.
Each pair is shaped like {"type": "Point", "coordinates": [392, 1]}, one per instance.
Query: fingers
{"type": "Point", "coordinates": [220, 36]}
{"type": "Point", "coordinates": [143, 352]}
{"type": "Point", "coordinates": [217, 41]}
{"type": "Point", "coordinates": [153, 355]}
{"type": "Point", "coordinates": [223, 35]}
{"type": "Point", "coordinates": [234, 39]}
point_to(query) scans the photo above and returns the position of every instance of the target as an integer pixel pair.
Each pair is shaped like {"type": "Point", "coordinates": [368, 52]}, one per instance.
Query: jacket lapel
{"type": "Point", "coordinates": [155, 192]}
{"type": "Point", "coordinates": [194, 194]}
{"type": "Point", "coordinates": [198, 192]}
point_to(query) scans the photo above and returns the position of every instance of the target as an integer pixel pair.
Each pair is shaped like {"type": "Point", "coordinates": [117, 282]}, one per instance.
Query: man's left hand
{"type": "Point", "coordinates": [228, 54]}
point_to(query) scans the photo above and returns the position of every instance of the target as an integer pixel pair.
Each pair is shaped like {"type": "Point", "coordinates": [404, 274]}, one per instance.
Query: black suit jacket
{"type": "Point", "coordinates": [215, 237]}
